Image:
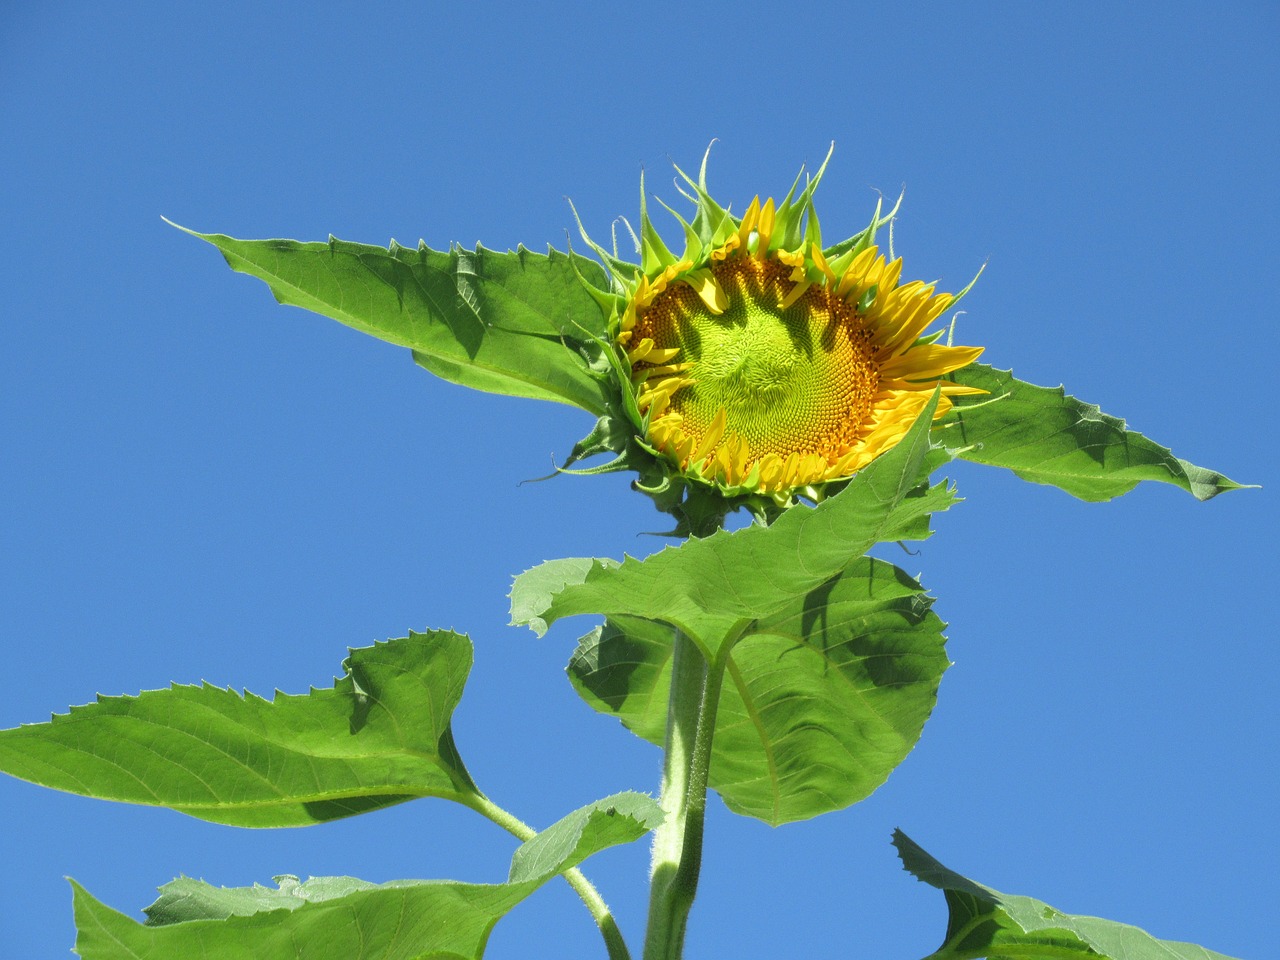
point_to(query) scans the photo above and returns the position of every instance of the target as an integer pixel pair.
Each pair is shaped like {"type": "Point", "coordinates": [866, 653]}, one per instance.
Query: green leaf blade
{"type": "Point", "coordinates": [1046, 436]}
{"type": "Point", "coordinates": [516, 323]}
{"type": "Point", "coordinates": [619, 819]}
{"type": "Point", "coordinates": [350, 918]}
{"type": "Point", "coordinates": [381, 735]}
{"type": "Point", "coordinates": [400, 921]}
{"type": "Point", "coordinates": [983, 921]}
{"type": "Point", "coordinates": [821, 702]}
{"type": "Point", "coordinates": [709, 587]}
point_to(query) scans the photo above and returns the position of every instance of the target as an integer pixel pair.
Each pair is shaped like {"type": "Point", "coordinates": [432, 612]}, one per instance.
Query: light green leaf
{"type": "Point", "coordinates": [615, 820]}
{"type": "Point", "coordinates": [1045, 436]}
{"type": "Point", "coordinates": [709, 587]}
{"type": "Point", "coordinates": [515, 323]}
{"type": "Point", "coordinates": [185, 899]}
{"type": "Point", "coordinates": [349, 918]}
{"type": "Point", "coordinates": [984, 922]}
{"type": "Point", "coordinates": [379, 736]}
{"type": "Point", "coordinates": [820, 703]}
{"type": "Point", "coordinates": [402, 921]}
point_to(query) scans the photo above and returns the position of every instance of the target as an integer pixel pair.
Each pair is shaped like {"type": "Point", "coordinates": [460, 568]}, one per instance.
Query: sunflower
{"type": "Point", "coordinates": [761, 363]}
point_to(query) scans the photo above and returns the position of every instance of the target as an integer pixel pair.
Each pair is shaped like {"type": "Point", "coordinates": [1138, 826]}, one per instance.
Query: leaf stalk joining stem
{"type": "Point", "coordinates": [614, 944]}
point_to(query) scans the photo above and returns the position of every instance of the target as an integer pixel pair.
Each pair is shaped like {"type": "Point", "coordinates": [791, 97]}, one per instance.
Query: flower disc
{"type": "Point", "coordinates": [797, 380]}
{"type": "Point", "coordinates": [753, 377]}
{"type": "Point", "coordinates": [762, 364]}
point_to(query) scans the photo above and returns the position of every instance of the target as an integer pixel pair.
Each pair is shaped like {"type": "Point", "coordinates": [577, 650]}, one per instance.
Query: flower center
{"type": "Point", "coordinates": [796, 380]}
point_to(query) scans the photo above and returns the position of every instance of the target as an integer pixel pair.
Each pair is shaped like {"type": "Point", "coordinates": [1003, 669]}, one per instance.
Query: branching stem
{"type": "Point", "coordinates": [508, 821]}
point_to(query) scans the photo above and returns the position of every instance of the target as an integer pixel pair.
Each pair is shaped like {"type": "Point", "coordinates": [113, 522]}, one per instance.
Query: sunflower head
{"type": "Point", "coordinates": [764, 366]}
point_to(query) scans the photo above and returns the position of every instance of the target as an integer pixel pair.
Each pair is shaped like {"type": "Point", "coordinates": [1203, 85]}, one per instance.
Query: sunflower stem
{"type": "Point", "coordinates": [613, 942]}
{"type": "Point", "coordinates": [677, 844]}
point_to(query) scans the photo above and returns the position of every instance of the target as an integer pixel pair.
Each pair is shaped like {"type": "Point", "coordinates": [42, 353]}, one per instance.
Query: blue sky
{"type": "Point", "coordinates": [200, 484]}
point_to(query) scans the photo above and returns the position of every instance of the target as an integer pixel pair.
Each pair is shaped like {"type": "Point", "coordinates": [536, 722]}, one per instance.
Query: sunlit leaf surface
{"type": "Point", "coordinates": [710, 587]}
{"type": "Point", "coordinates": [983, 922]}
{"type": "Point", "coordinates": [512, 323]}
{"type": "Point", "coordinates": [378, 736]}
{"type": "Point", "coordinates": [820, 703]}
{"type": "Point", "coordinates": [1045, 436]}
{"type": "Point", "coordinates": [343, 917]}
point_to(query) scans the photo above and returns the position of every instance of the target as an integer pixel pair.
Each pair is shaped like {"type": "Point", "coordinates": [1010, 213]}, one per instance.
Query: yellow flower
{"type": "Point", "coordinates": [761, 363]}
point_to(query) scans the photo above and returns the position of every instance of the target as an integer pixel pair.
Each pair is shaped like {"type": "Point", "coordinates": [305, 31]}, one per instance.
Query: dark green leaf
{"type": "Point", "coordinates": [380, 735]}
{"type": "Point", "coordinates": [984, 922]}
{"type": "Point", "coordinates": [343, 917]}
{"type": "Point", "coordinates": [514, 323]}
{"type": "Point", "coordinates": [1045, 436]}
{"type": "Point", "coordinates": [821, 701]}
{"type": "Point", "coordinates": [709, 587]}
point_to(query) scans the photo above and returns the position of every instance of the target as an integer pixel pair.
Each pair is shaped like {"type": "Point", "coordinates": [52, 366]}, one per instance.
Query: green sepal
{"type": "Point", "coordinates": [789, 221]}
{"type": "Point", "coordinates": [621, 273]}
{"type": "Point", "coordinates": [379, 736]}
{"type": "Point", "coordinates": [983, 922]}
{"type": "Point", "coordinates": [712, 224]}
{"type": "Point", "coordinates": [1046, 436]}
{"type": "Point", "coordinates": [821, 701]}
{"type": "Point", "coordinates": [609, 435]}
{"type": "Point", "coordinates": [812, 236]}
{"type": "Point", "coordinates": [693, 246]}
{"type": "Point", "coordinates": [841, 254]}
{"type": "Point", "coordinates": [654, 255]}
{"type": "Point", "coordinates": [964, 292]}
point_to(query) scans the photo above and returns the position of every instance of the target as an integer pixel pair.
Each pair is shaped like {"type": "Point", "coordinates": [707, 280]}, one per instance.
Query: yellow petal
{"type": "Point", "coordinates": [929, 360]}
{"type": "Point", "coordinates": [764, 227]}
{"type": "Point", "coordinates": [749, 220]}
{"type": "Point", "coordinates": [712, 294]}
{"type": "Point", "coordinates": [796, 293]}
{"type": "Point", "coordinates": [640, 351]}
{"type": "Point", "coordinates": [920, 321]}
{"type": "Point", "coordinates": [853, 276]}
{"type": "Point", "coordinates": [712, 436]}
{"type": "Point", "coordinates": [890, 278]}
{"type": "Point", "coordinates": [820, 262]}
{"type": "Point", "coordinates": [770, 471]}
{"type": "Point", "coordinates": [657, 356]}
{"type": "Point", "coordinates": [961, 390]}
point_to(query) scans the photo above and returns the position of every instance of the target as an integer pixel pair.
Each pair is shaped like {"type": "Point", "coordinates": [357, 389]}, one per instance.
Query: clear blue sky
{"type": "Point", "coordinates": [199, 484]}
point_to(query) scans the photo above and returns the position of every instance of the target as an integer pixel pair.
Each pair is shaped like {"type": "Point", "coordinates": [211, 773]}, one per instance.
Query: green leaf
{"type": "Point", "coordinates": [615, 820]}
{"type": "Point", "coordinates": [514, 323]}
{"type": "Point", "coordinates": [379, 736]}
{"type": "Point", "coordinates": [1045, 436]}
{"type": "Point", "coordinates": [401, 921]}
{"type": "Point", "coordinates": [820, 703]}
{"type": "Point", "coordinates": [349, 918]}
{"type": "Point", "coordinates": [984, 922]}
{"type": "Point", "coordinates": [184, 900]}
{"type": "Point", "coordinates": [710, 587]}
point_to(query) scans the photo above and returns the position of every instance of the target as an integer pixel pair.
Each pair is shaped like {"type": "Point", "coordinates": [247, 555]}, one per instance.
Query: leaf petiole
{"type": "Point", "coordinates": [613, 941]}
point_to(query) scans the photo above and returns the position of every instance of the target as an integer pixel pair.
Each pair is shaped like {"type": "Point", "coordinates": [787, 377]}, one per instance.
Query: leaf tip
{"type": "Point", "coordinates": [178, 226]}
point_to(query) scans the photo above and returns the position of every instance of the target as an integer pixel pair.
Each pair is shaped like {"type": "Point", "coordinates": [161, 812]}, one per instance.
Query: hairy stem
{"type": "Point", "coordinates": [614, 944]}
{"type": "Point", "coordinates": [677, 844]}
